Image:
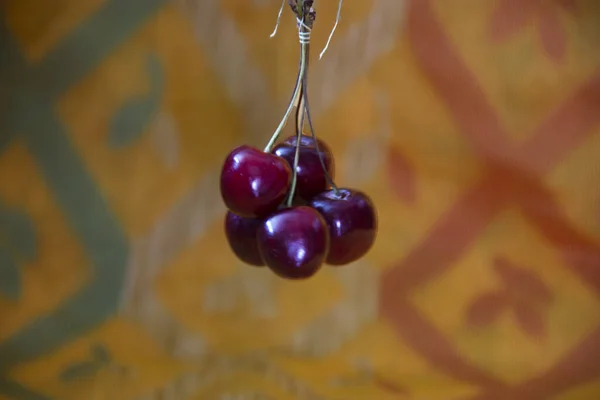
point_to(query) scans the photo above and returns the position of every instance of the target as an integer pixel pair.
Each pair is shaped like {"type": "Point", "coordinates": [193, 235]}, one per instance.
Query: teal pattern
{"type": "Point", "coordinates": [17, 246]}
{"type": "Point", "coordinates": [33, 91]}
{"type": "Point", "coordinates": [99, 358]}
{"type": "Point", "coordinates": [17, 391]}
{"type": "Point", "coordinates": [135, 116]}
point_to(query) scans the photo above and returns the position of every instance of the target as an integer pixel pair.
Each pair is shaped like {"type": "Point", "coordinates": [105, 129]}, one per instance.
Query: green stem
{"type": "Point", "coordinates": [299, 122]}
{"type": "Point", "coordinates": [295, 97]}
{"type": "Point", "coordinates": [299, 129]}
{"type": "Point", "coordinates": [314, 136]}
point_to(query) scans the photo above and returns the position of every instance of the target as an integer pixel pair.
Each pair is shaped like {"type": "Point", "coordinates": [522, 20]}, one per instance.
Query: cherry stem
{"type": "Point", "coordinates": [299, 127]}
{"type": "Point", "coordinates": [300, 98]}
{"type": "Point", "coordinates": [305, 17]}
{"type": "Point", "coordinates": [295, 98]}
{"type": "Point", "coordinates": [304, 101]}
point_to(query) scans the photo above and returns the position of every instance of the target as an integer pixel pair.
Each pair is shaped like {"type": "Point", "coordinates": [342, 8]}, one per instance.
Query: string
{"type": "Point", "coordinates": [337, 20]}
{"type": "Point", "coordinates": [303, 34]}
{"type": "Point", "coordinates": [278, 18]}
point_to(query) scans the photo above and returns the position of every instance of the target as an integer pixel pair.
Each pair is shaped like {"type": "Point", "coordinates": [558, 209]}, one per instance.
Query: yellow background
{"type": "Point", "coordinates": [420, 103]}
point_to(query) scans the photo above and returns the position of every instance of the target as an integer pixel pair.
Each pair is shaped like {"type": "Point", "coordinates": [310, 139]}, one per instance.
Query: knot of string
{"type": "Point", "coordinates": [303, 34]}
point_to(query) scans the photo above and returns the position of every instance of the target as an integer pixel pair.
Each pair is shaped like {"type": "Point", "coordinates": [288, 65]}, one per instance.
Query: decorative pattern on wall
{"type": "Point", "coordinates": [474, 125]}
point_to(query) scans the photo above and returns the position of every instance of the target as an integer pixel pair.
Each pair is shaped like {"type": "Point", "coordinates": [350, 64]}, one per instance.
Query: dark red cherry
{"type": "Point", "coordinates": [352, 222]}
{"type": "Point", "coordinates": [254, 183]}
{"type": "Point", "coordinates": [308, 141]}
{"type": "Point", "coordinates": [241, 235]}
{"type": "Point", "coordinates": [294, 242]}
{"type": "Point", "coordinates": [311, 178]}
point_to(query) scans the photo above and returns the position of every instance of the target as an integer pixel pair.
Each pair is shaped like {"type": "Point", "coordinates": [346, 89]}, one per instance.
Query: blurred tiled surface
{"type": "Point", "coordinates": [474, 125]}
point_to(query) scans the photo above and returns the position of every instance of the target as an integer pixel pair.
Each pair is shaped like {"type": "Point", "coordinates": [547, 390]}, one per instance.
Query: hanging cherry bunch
{"type": "Point", "coordinates": [285, 210]}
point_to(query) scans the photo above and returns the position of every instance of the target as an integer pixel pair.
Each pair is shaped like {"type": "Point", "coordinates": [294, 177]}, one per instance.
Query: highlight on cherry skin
{"type": "Point", "coordinates": [311, 176]}
{"type": "Point", "coordinates": [352, 223]}
{"type": "Point", "coordinates": [320, 224]}
{"type": "Point", "coordinates": [294, 242]}
{"type": "Point", "coordinates": [254, 183]}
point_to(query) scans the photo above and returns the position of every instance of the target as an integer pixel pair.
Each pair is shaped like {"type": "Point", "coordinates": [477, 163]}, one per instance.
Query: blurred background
{"type": "Point", "coordinates": [473, 124]}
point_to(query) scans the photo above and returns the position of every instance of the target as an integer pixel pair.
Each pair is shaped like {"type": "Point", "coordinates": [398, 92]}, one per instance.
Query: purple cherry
{"type": "Point", "coordinates": [311, 178]}
{"type": "Point", "coordinates": [308, 141]}
{"type": "Point", "coordinates": [352, 222]}
{"type": "Point", "coordinates": [241, 235]}
{"type": "Point", "coordinates": [254, 183]}
{"type": "Point", "coordinates": [294, 242]}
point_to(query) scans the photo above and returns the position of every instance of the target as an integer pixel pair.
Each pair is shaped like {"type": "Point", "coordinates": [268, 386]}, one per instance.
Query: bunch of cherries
{"type": "Point", "coordinates": [293, 229]}
{"type": "Point", "coordinates": [285, 211]}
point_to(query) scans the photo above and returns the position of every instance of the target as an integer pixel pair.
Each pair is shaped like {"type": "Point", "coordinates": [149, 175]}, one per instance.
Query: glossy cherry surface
{"type": "Point", "coordinates": [254, 183]}
{"type": "Point", "coordinates": [352, 221]}
{"type": "Point", "coordinates": [308, 141]}
{"type": "Point", "coordinates": [294, 242]}
{"type": "Point", "coordinates": [311, 178]}
{"type": "Point", "coordinates": [241, 235]}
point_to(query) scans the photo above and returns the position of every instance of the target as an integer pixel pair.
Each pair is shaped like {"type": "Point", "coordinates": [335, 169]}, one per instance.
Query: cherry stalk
{"type": "Point", "coordinates": [285, 210]}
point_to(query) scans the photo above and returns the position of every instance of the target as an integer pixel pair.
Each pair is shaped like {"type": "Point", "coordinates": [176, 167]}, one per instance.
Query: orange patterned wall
{"type": "Point", "coordinates": [474, 125]}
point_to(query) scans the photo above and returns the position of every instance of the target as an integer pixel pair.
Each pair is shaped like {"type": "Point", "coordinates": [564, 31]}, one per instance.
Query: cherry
{"type": "Point", "coordinates": [254, 183]}
{"type": "Point", "coordinates": [311, 178]}
{"type": "Point", "coordinates": [241, 235]}
{"type": "Point", "coordinates": [308, 141]}
{"type": "Point", "coordinates": [294, 242]}
{"type": "Point", "coordinates": [352, 222]}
